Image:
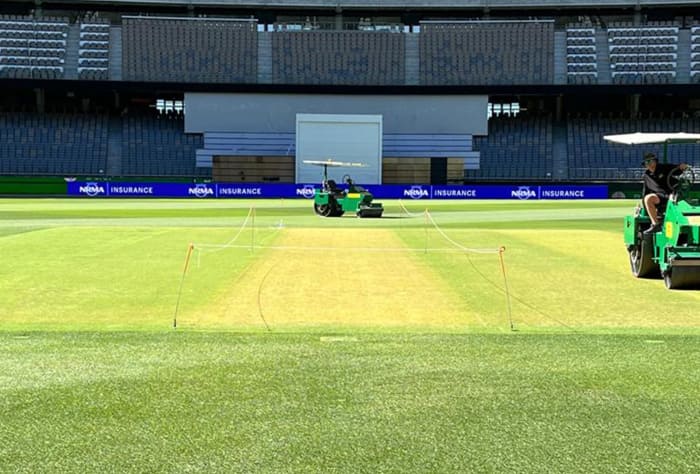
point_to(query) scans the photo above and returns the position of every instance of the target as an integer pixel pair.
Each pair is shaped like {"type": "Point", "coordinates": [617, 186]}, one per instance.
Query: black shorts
{"type": "Point", "coordinates": [663, 200]}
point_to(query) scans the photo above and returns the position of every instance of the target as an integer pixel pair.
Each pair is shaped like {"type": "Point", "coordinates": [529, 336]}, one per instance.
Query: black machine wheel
{"type": "Point", "coordinates": [641, 262]}
{"type": "Point", "coordinates": [668, 280]}
{"type": "Point", "coordinates": [323, 210]}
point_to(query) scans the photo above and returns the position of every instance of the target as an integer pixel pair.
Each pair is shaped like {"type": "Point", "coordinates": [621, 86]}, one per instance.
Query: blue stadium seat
{"type": "Point", "coordinates": [158, 146]}
{"type": "Point", "coordinates": [49, 144]}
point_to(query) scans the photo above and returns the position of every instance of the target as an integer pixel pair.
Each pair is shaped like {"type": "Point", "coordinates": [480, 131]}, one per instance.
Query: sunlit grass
{"type": "Point", "coordinates": [227, 402]}
{"type": "Point", "coordinates": [598, 376]}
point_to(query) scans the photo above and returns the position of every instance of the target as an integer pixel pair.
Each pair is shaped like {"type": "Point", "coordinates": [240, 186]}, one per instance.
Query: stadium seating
{"type": "Point", "coordinates": [515, 148]}
{"type": "Point", "coordinates": [591, 157]}
{"type": "Point", "coordinates": [94, 49]}
{"type": "Point", "coordinates": [189, 50]}
{"type": "Point", "coordinates": [156, 145]}
{"type": "Point", "coordinates": [338, 57]}
{"type": "Point", "coordinates": [50, 144]}
{"type": "Point", "coordinates": [695, 54]}
{"type": "Point", "coordinates": [77, 144]}
{"type": "Point", "coordinates": [645, 54]}
{"type": "Point", "coordinates": [32, 48]}
{"type": "Point", "coordinates": [517, 52]}
{"type": "Point", "coordinates": [581, 54]}
{"type": "Point", "coordinates": [439, 53]}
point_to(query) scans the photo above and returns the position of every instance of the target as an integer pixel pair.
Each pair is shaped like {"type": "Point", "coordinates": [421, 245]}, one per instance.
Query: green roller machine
{"type": "Point", "coordinates": [674, 252]}
{"type": "Point", "coordinates": [333, 201]}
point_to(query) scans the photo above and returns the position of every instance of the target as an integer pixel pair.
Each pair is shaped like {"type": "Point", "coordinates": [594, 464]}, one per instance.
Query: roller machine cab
{"type": "Point", "coordinates": [673, 252]}
{"type": "Point", "coordinates": [333, 201]}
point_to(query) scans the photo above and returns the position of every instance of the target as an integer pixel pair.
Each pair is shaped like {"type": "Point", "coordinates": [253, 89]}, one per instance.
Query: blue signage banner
{"type": "Point", "coordinates": [491, 191]}
{"type": "Point", "coordinates": [280, 190]}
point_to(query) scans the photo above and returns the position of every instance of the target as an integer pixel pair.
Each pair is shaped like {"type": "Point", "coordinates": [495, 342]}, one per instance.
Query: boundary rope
{"type": "Point", "coordinates": [457, 248]}
{"type": "Point", "coordinates": [182, 281]}
{"type": "Point", "coordinates": [466, 251]}
{"type": "Point", "coordinates": [410, 214]}
{"type": "Point", "coordinates": [219, 247]}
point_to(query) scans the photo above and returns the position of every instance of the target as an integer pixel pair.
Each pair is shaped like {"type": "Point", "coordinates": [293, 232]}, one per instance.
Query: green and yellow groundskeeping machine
{"type": "Point", "coordinates": [674, 252]}
{"type": "Point", "coordinates": [332, 201]}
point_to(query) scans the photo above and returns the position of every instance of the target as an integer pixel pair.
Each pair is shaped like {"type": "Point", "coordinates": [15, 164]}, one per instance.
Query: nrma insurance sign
{"type": "Point", "coordinates": [96, 189]}
{"type": "Point", "coordinates": [92, 189]}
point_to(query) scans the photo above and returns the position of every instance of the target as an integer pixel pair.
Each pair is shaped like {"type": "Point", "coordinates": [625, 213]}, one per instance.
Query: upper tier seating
{"type": "Point", "coordinates": [189, 50]}
{"type": "Point", "coordinates": [32, 48]}
{"type": "Point", "coordinates": [93, 50]}
{"type": "Point", "coordinates": [487, 53]}
{"type": "Point", "coordinates": [643, 54]}
{"type": "Point", "coordinates": [695, 54]}
{"type": "Point", "coordinates": [581, 54]}
{"type": "Point", "coordinates": [338, 57]}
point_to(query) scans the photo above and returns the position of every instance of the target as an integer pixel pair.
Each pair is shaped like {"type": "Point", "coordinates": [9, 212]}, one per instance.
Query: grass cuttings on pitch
{"type": "Point", "coordinates": [205, 402]}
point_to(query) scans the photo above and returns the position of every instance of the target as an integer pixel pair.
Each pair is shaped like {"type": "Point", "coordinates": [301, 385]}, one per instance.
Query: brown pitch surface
{"type": "Point", "coordinates": [342, 280]}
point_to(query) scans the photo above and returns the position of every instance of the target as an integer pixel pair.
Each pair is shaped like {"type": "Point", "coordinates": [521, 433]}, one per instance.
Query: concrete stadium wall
{"type": "Point", "coordinates": [276, 113]}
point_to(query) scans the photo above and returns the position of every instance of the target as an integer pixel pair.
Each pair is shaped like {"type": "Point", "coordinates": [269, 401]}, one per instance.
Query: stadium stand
{"type": "Point", "coordinates": [643, 54]}
{"type": "Point", "coordinates": [189, 50]}
{"type": "Point", "coordinates": [94, 49]}
{"type": "Point", "coordinates": [593, 158]}
{"type": "Point", "coordinates": [228, 52]}
{"type": "Point", "coordinates": [32, 48]}
{"type": "Point", "coordinates": [581, 54]}
{"type": "Point", "coordinates": [515, 148]}
{"type": "Point", "coordinates": [695, 54]}
{"type": "Point", "coordinates": [77, 144]}
{"type": "Point", "coordinates": [46, 144]}
{"type": "Point", "coordinates": [448, 52]}
{"type": "Point", "coordinates": [498, 52]}
{"type": "Point", "coordinates": [156, 145]}
{"type": "Point", "coordinates": [338, 57]}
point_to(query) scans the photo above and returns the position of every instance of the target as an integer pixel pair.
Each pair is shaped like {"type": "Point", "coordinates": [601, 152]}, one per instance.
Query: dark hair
{"type": "Point", "coordinates": [650, 156]}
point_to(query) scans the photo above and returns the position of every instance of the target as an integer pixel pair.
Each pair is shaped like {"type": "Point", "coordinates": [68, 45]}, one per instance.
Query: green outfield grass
{"type": "Point", "coordinates": [117, 264]}
{"type": "Point", "coordinates": [599, 374]}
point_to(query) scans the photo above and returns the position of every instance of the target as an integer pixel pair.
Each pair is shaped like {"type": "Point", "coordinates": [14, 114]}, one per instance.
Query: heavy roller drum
{"type": "Point", "coordinates": [682, 274]}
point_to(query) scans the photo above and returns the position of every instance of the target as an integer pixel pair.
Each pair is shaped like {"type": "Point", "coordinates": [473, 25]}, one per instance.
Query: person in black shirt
{"type": "Point", "coordinates": [656, 187]}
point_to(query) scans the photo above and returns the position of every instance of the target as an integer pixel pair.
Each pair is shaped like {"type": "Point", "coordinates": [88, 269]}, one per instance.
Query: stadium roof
{"type": "Point", "coordinates": [388, 4]}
